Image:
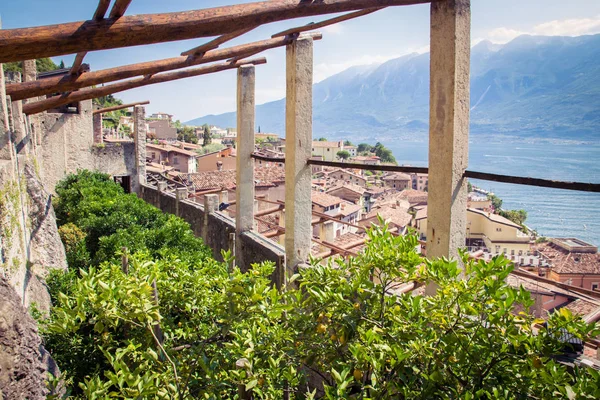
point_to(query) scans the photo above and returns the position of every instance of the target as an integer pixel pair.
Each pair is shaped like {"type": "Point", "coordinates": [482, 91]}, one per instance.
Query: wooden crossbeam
{"type": "Point", "coordinates": [119, 8]}
{"type": "Point", "coordinates": [120, 107]}
{"type": "Point", "coordinates": [317, 25]}
{"type": "Point", "coordinates": [134, 30]}
{"type": "Point", "coordinates": [215, 43]}
{"type": "Point", "coordinates": [59, 84]}
{"type": "Point", "coordinates": [92, 93]}
{"type": "Point", "coordinates": [98, 15]}
{"type": "Point", "coordinates": [101, 10]}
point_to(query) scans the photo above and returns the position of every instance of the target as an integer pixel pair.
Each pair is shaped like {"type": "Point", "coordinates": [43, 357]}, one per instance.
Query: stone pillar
{"type": "Point", "coordinates": [244, 191]}
{"type": "Point", "coordinates": [448, 127]}
{"type": "Point", "coordinates": [298, 133]}
{"type": "Point", "coordinates": [5, 139]}
{"type": "Point", "coordinates": [211, 205]}
{"type": "Point", "coordinates": [17, 118]}
{"type": "Point", "coordinates": [97, 121]}
{"type": "Point", "coordinates": [32, 122]}
{"type": "Point", "coordinates": [180, 194]}
{"type": "Point", "coordinates": [139, 137]}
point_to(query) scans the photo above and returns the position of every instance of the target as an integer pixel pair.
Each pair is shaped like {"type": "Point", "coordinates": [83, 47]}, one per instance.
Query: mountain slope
{"type": "Point", "coordinates": [532, 85]}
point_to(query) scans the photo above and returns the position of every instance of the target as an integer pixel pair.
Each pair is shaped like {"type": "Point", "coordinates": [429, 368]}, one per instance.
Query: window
{"type": "Point", "coordinates": [327, 149]}
{"type": "Point", "coordinates": [175, 160]}
{"type": "Point", "coordinates": [512, 252]}
{"type": "Point", "coordinates": [498, 229]}
{"type": "Point", "coordinates": [153, 155]}
{"type": "Point", "coordinates": [595, 286]}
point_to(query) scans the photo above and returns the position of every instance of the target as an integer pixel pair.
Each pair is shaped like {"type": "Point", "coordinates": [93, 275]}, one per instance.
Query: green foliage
{"type": "Point", "coordinates": [322, 139]}
{"type": "Point", "coordinates": [348, 143]}
{"type": "Point", "coordinates": [516, 216]}
{"type": "Point", "coordinates": [42, 65]}
{"type": "Point", "coordinates": [210, 148]}
{"type": "Point", "coordinates": [206, 137]}
{"type": "Point", "coordinates": [187, 134]}
{"type": "Point", "coordinates": [496, 201]}
{"type": "Point", "coordinates": [73, 239]}
{"type": "Point", "coordinates": [343, 155]}
{"type": "Point", "coordinates": [364, 147]}
{"type": "Point", "coordinates": [469, 187]}
{"type": "Point", "coordinates": [345, 325]}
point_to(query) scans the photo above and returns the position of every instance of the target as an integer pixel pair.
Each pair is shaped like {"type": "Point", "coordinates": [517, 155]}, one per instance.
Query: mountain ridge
{"type": "Point", "coordinates": [532, 85]}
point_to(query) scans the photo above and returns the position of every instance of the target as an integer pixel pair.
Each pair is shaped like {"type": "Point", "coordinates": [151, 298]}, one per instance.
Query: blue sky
{"type": "Point", "coordinates": [374, 38]}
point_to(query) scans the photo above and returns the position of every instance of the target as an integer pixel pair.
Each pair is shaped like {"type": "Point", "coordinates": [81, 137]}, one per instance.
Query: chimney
{"type": "Point", "coordinates": [219, 165]}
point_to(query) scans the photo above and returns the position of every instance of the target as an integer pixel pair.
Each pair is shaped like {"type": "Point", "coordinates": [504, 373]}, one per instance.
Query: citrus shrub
{"type": "Point", "coordinates": [360, 328]}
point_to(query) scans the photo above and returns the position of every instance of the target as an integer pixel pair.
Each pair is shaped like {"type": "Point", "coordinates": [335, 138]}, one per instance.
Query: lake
{"type": "Point", "coordinates": [552, 212]}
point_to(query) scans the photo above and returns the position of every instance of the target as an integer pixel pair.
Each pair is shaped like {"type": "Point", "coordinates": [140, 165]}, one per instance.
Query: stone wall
{"type": "Point", "coordinates": [217, 231]}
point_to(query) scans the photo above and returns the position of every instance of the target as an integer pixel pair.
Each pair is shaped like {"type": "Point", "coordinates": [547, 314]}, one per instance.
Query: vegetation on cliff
{"type": "Point", "coordinates": [341, 331]}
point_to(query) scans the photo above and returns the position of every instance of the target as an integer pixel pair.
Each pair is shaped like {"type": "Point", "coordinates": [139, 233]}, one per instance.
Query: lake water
{"type": "Point", "coordinates": [552, 212]}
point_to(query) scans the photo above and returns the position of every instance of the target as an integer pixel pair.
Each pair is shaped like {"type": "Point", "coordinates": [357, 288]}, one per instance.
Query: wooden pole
{"type": "Point", "coordinates": [213, 44]}
{"type": "Point", "coordinates": [98, 15]}
{"type": "Point", "coordinates": [135, 30]}
{"type": "Point", "coordinates": [67, 83]}
{"type": "Point", "coordinates": [86, 94]}
{"type": "Point", "coordinates": [119, 8]}
{"type": "Point", "coordinates": [313, 25]}
{"type": "Point", "coordinates": [122, 106]}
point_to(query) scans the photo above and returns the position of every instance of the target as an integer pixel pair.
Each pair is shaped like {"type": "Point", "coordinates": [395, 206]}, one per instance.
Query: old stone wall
{"type": "Point", "coordinates": [217, 230]}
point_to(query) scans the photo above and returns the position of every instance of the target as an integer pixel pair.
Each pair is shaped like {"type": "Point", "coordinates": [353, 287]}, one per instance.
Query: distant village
{"type": "Point", "coordinates": [347, 201]}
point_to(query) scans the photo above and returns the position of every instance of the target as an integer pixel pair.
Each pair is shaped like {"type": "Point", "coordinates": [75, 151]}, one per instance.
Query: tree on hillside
{"type": "Point", "coordinates": [42, 65]}
{"type": "Point", "coordinates": [348, 143]}
{"type": "Point", "coordinates": [187, 134]}
{"type": "Point", "coordinates": [343, 155]}
{"type": "Point", "coordinates": [206, 137]}
{"type": "Point", "coordinates": [364, 147]}
{"type": "Point", "coordinates": [322, 139]}
{"type": "Point", "coordinates": [516, 216]}
{"type": "Point", "coordinates": [496, 201]}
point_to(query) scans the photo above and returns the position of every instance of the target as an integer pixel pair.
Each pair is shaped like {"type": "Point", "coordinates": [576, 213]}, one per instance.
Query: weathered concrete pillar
{"type": "Point", "coordinates": [224, 198]}
{"type": "Point", "coordinates": [180, 194]}
{"type": "Point", "coordinates": [32, 121]}
{"type": "Point", "coordinates": [17, 118]}
{"type": "Point", "coordinates": [211, 204]}
{"type": "Point", "coordinates": [98, 139]}
{"type": "Point", "coordinates": [298, 133]}
{"type": "Point", "coordinates": [244, 192]}
{"type": "Point", "coordinates": [139, 137]}
{"type": "Point", "coordinates": [448, 127]}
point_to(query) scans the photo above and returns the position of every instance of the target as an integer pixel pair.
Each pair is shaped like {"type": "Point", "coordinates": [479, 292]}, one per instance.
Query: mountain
{"type": "Point", "coordinates": [535, 85]}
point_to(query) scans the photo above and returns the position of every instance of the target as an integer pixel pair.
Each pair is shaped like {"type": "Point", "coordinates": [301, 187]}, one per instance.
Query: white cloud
{"type": "Point", "coordinates": [565, 27]}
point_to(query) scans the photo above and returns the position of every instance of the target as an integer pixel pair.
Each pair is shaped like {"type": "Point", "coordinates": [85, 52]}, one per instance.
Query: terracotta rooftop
{"type": "Point", "coordinates": [565, 262]}
{"type": "Point", "coordinates": [349, 208]}
{"type": "Point", "coordinates": [494, 217]}
{"type": "Point", "coordinates": [350, 241]}
{"type": "Point", "coordinates": [365, 158]}
{"type": "Point", "coordinates": [421, 212]}
{"type": "Point", "coordinates": [414, 196]}
{"type": "Point", "coordinates": [209, 180]}
{"type": "Point", "coordinates": [324, 199]}
{"type": "Point", "coordinates": [397, 176]}
{"type": "Point", "coordinates": [350, 186]}
{"type": "Point", "coordinates": [169, 148]}
{"type": "Point", "coordinates": [268, 175]}
{"type": "Point", "coordinates": [397, 215]}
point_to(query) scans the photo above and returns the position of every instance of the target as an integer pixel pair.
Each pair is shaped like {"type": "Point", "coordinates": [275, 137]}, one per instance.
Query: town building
{"type": "Point", "coordinates": [420, 182]}
{"type": "Point", "coordinates": [161, 129]}
{"type": "Point", "coordinates": [397, 180]}
{"type": "Point", "coordinates": [161, 116]}
{"type": "Point", "coordinates": [329, 150]}
{"type": "Point", "coordinates": [165, 154]}
{"type": "Point", "coordinates": [366, 160]}
{"type": "Point", "coordinates": [223, 159]}
{"type": "Point", "coordinates": [342, 175]}
{"type": "Point", "coordinates": [215, 131]}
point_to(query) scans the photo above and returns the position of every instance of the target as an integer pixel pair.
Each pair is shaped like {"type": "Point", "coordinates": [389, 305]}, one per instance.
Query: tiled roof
{"type": "Point", "coordinates": [350, 186]}
{"type": "Point", "coordinates": [495, 217]}
{"type": "Point", "coordinates": [324, 199]}
{"type": "Point", "coordinates": [268, 174]}
{"type": "Point", "coordinates": [397, 176]}
{"type": "Point", "coordinates": [317, 143]}
{"type": "Point", "coordinates": [169, 148]}
{"type": "Point", "coordinates": [421, 212]}
{"type": "Point", "coordinates": [209, 180]}
{"type": "Point", "coordinates": [399, 216]}
{"type": "Point", "coordinates": [564, 262]}
{"type": "Point", "coordinates": [349, 208]}
{"type": "Point", "coordinates": [414, 196]}
{"type": "Point", "coordinates": [350, 241]}
{"type": "Point", "coordinates": [582, 307]}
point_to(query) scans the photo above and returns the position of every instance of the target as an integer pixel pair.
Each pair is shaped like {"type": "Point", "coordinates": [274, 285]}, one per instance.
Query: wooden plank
{"type": "Point", "coordinates": [134, 30]}
{"type": "Point", "coordinates": [317, 25]}
{"type": "Point", "coordinates": [92, 93]}
{"type": "Point", "coordinates": [59, 84]}
{"type": "Point", "coordinates": [119, 8]}
{"type": "Point", "coordinates": [101, 10]}
{"type": "Point", "coordinates": [215, 43]}
{"type": "Point", "coordinates": [122, 106]}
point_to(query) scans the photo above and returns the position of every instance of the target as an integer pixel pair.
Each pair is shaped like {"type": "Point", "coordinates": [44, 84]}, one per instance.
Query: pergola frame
{"type": "Point", "coordinates": [449, 91]}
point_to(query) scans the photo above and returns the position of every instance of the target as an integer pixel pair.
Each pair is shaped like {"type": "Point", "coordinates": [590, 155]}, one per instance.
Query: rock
{"type": "Point", "coordinates": [24, 363]}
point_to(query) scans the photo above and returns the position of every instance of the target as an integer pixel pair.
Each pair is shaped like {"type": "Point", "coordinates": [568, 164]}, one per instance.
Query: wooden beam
{"type": "Point", "coordinates": [122, 106]}
{"type": "Point", "coordinates": [66, 83]}
{"type": "Point", "coordinates": [317, 25]}
{"type": "Point", "coordinates": [101, 10]}
{"type": "Point", "coordinates": [92, 93]}
{"type": "Point", "coordinates": [215, 43]}
{"type": "Point", "coordinates": [119, 8]}
{"type": "Point", "coordinates": [98, 15]}
{"type": "Point", "coordinates": [77, 63]}
{"type": "Point", "coordinates": [134, 30]}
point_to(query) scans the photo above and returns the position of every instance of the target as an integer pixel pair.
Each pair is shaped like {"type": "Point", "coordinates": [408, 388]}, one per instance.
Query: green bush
{"type": "Point", "coordinates": [345, 326]}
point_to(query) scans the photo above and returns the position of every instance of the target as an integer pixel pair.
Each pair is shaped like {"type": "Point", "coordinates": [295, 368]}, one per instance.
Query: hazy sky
{"type": "Point", "coordinates": [378, 37]}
